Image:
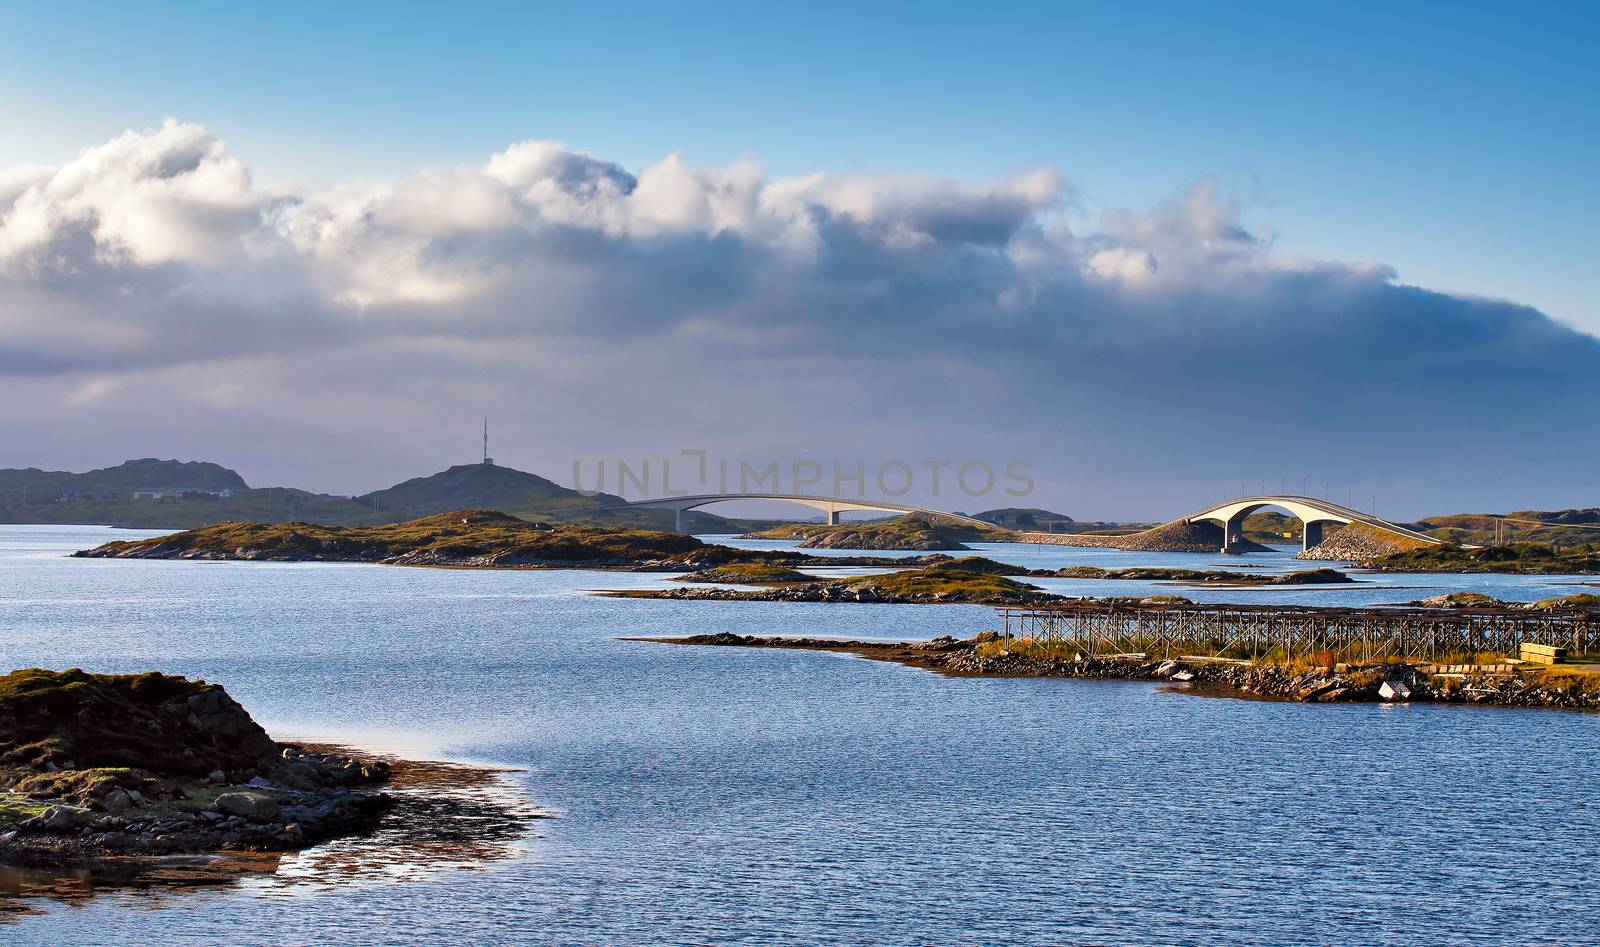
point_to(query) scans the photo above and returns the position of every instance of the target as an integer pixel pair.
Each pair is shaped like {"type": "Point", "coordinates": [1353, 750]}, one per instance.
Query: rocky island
{"type": "Point", "coordinates": [1516, 558]}
{"type": "Point", "coordinates": [468, 539]}
{"type": "Point", "coordinates": [929, 586]}
{"type": "Point", "coordinates": [943, 580]}
{"type": "Point", "coordinates": [987, 654]}
{"type": "Point", "coordinates": [95, 765]}
{"type": "Point", "coordinates": [1209, 576]}
{"type": "Point", "coordinates": [748, 573]}
{"type": "Point", "coordinates": [1460, 600]}
{"type": "Point", "coordinates": [900, 533]}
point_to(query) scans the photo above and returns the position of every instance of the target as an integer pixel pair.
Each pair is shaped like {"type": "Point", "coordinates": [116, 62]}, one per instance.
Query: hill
{"type": "Point", "coordinates": [120, 481]}
{"type": "Point", "coordinates": [1549, 527]}
{"type": "Point", "coordinates": [528, 495]}
{"type": "Point", "coordinates": [479, 486]}
{"type": "Point", "coordinates": [1024, 518]}
{"type": "Point", "coordinates": [171, 494]}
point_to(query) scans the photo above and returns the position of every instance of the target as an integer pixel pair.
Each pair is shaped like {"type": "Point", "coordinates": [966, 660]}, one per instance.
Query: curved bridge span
{"type": "Point", "coordinates": [831, 506]}
{"type": "Point", "coordinates": [1312, 513]}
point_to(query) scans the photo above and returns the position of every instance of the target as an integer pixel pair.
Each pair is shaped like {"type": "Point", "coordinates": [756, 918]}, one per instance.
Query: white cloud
{"type": "Point", "coordinates": [154, 251]}
{"type": "Point", "coordinates": [171, 194]}
{"type": "Point", "coordinates": [1123, 263]}
{"type": "Point", "coordinates": [92, 391]}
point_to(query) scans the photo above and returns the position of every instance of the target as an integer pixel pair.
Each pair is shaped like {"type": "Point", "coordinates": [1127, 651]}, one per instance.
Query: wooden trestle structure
{"type": "Point", "coordinates": [1287, 631]}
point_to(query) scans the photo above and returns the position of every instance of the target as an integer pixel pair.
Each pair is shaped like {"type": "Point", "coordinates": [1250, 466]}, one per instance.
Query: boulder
{"type": "Point", "coordinates": [255, 806]}
{"type": "Point", "coordinates": [59, 817]}
{"type": "Point", "coordinates": [1394, 690]}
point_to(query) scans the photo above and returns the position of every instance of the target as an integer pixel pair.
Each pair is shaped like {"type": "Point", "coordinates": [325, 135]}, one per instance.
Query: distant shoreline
{"type": "Point", "coordinates": [985, 656]}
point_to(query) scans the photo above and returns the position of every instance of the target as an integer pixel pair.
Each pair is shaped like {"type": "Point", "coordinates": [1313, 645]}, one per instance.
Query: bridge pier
{"type": "Point", "coordinates": [833, 517]}
{"type": "Point", "coordinates": [1232, 532]}
{"type": "Point", "coordinates": [1310, 534]}
{"type": "Point", "coordinates": [677, 521]}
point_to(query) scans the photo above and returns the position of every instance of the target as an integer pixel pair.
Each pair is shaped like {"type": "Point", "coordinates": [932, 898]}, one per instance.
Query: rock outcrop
{"type": "Point", "coordinates": [1358, 542]}
{"type": "Point", "coordinates": [152, 764]}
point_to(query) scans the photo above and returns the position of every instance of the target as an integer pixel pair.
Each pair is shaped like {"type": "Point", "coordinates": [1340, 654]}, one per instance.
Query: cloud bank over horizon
{"type": "Point", "coordinates": [153, 299]}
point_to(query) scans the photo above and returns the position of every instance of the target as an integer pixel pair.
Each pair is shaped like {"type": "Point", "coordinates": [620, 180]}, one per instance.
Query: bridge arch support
{"type": "Point", "coordinates": [1314, 516]}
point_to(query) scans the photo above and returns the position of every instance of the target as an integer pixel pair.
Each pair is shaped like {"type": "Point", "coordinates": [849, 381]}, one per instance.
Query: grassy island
{"type": "Point", "coordinates": [1153, 573]}
{"type": "Point", "coordinates": [475, 539]}
{"type": "Point", "coordinates": [939, 584]}
{"type": "Point", "coordinates": [987, 654]}
{"type": "Point", "coordinates": [467, 537]}
{"type": "Point", "coordinates": [748, 573]}
{"type": "Point", "coordinates": [929, 586]}
{"type": "Point", "coordinates": [980, 565]}
{"type": "Point", "coordinates": [1523, 558]}
{"type": "Point", "coordinates": [902, 532]}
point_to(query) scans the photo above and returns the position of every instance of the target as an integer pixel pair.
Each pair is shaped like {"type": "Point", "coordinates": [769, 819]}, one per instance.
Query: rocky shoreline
{"type": "Point", "coordinates": [151, 766]}
{"type": "Point", "coordinates": [1358, 542]}
{"type": "Point", "coordinates": [969, 581]}
{"type": "Point", "coordinates": [308, 798]}
{"type": "Point", "coordinates": [985, 655]}
{"type": "Point", "coordinates": [833, 592]}
{"type": "Point", "coordinates": [935, 585]}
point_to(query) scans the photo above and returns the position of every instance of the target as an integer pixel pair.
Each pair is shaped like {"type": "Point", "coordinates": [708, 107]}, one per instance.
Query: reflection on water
{"type": "Point", "coordinates": [717, 795]}
{"type": "Point", "coordinates": [447, 816]}
{"type": "Point", "coordinates": [23, 890]}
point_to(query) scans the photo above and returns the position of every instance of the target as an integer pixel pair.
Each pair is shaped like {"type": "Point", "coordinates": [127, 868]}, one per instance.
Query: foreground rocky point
{"type": "Point", "coordinates": [988, 655]}
{"type": "Point", "coordinates": [96, 765]}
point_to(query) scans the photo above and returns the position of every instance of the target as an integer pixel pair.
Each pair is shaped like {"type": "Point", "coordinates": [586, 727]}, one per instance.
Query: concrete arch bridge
{"type": "Point", "coordinates": [830, 506]}
{"type": "Point", "coordinates": [1313, 514]}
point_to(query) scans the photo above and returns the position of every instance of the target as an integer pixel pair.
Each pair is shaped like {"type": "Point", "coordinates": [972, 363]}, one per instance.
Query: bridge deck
{"type": "Point", "coordinates": [1288, 631]}
{"type": "Point", "coordinates": [831, 505]}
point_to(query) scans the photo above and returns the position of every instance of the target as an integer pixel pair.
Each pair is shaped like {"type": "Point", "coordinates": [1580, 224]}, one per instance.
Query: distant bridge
{"type": "Point", "coordinates": [1312, 513]}
{"type": "Point", "coordinates": [831, 506]}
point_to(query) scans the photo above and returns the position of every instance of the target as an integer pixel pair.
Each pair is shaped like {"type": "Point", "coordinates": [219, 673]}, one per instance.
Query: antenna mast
{"type": "Point", "coordinates": [486, 458]}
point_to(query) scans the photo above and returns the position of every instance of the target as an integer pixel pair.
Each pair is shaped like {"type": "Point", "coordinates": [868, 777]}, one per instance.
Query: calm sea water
{"type": "Point", "coordinates": [719, 795]}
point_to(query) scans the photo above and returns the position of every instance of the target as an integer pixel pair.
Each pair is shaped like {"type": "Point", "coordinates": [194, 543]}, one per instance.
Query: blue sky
{"type": "Point", "coordinates": [1455, 142]}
